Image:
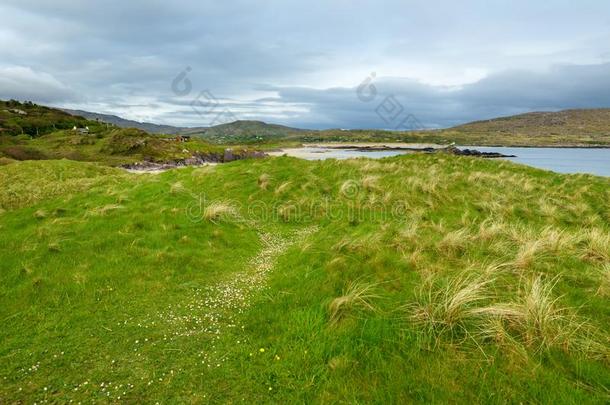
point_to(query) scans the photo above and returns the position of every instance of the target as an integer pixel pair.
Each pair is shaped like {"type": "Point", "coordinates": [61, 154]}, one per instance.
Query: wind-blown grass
{"type": "Point", "coordinates": [220, 211]}
{"type": "Point", "coordinates": [446, 307]}
{"type": "Point", "coordinates": [357, 296]}
{"type": "Point", "coordinates": [439, 281]}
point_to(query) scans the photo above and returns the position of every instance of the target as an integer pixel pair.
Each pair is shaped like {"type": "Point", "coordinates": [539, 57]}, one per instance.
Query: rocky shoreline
{"type": "Point", "coordinates": [198, 159]}
{"type": "Point", "coordinates": [229, 155]}
{"type": "Point", "coordinates": [474, 152]}
{"type": "Point", "coordinates": [429, 149]}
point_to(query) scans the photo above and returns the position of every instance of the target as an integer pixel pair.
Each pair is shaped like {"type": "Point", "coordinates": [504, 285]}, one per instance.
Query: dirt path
{"type": "Point", "coordinates": [213, 311]}
{"type": "Point", "coordinates": [210, 315]}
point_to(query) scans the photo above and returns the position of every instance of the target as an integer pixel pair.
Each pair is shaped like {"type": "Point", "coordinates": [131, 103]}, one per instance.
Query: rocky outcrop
{"type": "Point", "coordinates": [197, 159]}
{"type": "Point", "coordinates": [473, 152]}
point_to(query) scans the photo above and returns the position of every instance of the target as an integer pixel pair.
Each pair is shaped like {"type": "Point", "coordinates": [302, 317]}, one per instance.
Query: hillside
{"type": "Point", "coordinates": [565, 128]}
{"type": "Point", "coordinates": [582, 127]}
{"type": "Point", "coordinates": [567, 122]}
{"type": "Point", "coordinates": [124, 123]}
{"type": "Point", "coordinates": [244, 132]}
{"type": "Point", "coordinates": [233, 132]}
{"type": "Point", "coordinates": [414, 279]}
{"type": "Point", "coordinates": [17, 118]}
{"type": "Point", "coordinates": [33, 132]}
{"type": "Point", "coordinates": [587, 128]}
{"type": "Point", "coordinates": [113, 146]}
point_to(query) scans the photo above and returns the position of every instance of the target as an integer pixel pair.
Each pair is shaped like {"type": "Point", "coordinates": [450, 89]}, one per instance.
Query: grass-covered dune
{"type": "Point", "coordinates": [420, 278]}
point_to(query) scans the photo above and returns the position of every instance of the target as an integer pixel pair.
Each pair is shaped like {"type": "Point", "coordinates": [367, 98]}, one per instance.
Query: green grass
{"type": "Point", "coordinates": [419, 278]}
{"type": "Point", "coordinates": [110, 146]}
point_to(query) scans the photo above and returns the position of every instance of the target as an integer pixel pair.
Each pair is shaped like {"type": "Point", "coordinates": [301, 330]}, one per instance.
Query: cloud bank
{"type": "Point", "coordinates": [300, 63]}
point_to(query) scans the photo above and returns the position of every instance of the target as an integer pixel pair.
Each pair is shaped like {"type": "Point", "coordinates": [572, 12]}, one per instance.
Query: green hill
{"type": "Point", "coordinates": [564, 128]}
{"type": "Point", "coordinates": [112, 146]}
{"type": "Point", "coordinates": [575, 127]}
{"type": "Point", "coordinates": [123, 123]}
{"type": "Point", "coordinates": [32, 132]}
{"type": "Point", "coordinates": [243, 132]}
{"type": "Point", "coordinates": [35, 120]}
{"type": "Point", "coordinates": [414, 279]}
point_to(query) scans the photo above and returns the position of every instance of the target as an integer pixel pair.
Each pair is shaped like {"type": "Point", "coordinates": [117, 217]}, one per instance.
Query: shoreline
{"type": "Point", "coordinates": [420, 146]}
{"type": "Point", "coordinates": [312, 151]}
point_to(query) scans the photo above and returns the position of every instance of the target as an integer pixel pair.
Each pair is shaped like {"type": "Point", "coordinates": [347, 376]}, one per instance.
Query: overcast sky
{"type": "Point", "coordinates": [314, 64]}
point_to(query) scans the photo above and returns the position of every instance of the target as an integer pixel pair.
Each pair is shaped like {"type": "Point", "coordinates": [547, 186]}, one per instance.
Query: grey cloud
{"type": "Point", "coordinates": [504, 93]}
{"type": "Point", "coordinates": [20, 82]}
{"type": "Point", "coordinates": [298, 62]}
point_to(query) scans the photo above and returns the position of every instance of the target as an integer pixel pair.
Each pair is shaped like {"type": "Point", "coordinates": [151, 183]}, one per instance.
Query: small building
{"type": "Point", "coordinates": [84, 130]}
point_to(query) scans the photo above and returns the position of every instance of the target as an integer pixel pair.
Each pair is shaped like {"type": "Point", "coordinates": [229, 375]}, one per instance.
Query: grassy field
{"type": "Point", "coordinates": [420, 278]}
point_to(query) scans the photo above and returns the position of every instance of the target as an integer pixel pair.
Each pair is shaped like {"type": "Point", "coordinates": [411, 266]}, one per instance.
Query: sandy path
{"type": "Point", "coordinates": [213, 311]}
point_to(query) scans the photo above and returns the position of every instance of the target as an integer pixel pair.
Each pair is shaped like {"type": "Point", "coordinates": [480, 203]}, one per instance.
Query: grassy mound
{"type": "Point", "coordinates": [421, 278]}
{"type": "Point", "coordinates": [110, 146]}
{"type": "Point", "coordinates": [25, 183]}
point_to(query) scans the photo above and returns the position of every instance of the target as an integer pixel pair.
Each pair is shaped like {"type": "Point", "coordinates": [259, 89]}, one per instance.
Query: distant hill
{"type": "Point", "coordinates": [124, 123]}
{"type": "Point", "coordinates": [585, 127]}
{"type": "Point", "coordinates": [582, 127]}
{"type": "Point", "coordinates": [243, 131]}
{"type": "Point", "coordinates": [238, 131]}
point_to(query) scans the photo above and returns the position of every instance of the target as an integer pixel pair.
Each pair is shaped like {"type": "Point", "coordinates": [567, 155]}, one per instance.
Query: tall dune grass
{"type": "Point", "coordinates": [357, 296]}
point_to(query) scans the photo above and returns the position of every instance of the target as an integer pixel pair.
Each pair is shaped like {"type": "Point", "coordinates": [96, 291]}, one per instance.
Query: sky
{"type": "Point", "coordinates": [310, 64]}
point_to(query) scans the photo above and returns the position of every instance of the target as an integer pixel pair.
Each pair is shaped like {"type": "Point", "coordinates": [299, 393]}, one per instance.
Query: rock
{"type": "Point", "coordinates": [192, 161]}
{"type": "Point", "coordinates": [473, 152]}
{"type": "Point", "coordinates": [198, 159]}
{"type": "Point", "coordinates": [228, 155]}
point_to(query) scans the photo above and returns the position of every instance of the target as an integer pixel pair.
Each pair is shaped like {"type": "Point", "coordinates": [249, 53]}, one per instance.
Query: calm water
{"type": "Point", "coordinates": [561, 160]}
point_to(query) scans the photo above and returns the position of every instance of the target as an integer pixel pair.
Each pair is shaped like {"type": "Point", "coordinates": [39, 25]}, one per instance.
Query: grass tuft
{"type": "Point", "coordinates": [604, 284]}
{"type": "Point", "coordinates": [447, 307]}
{"type": "Point", "coordinates": [454, 242]}
{"type": "Point", "coordinates": [177, 188]}
{"type": "Point", "coordinates": [282, 188]}
{"type": "Point", "coordinates": [596, 245]}
{"type": "Point", "coordinates": [370, 183]}
{"type": "Point", "coordinates": [528, 254]}
{"type": "Point", "coordinates": [263, 181]}
{"type": "Point", "coordinates": [220, 211]}
{"type": "Point", "coordinates": [356, 297]}
{"type": "Point", "coordinates": [538, 322]}
{"type": "Point", "coordinates": [349, 188]}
